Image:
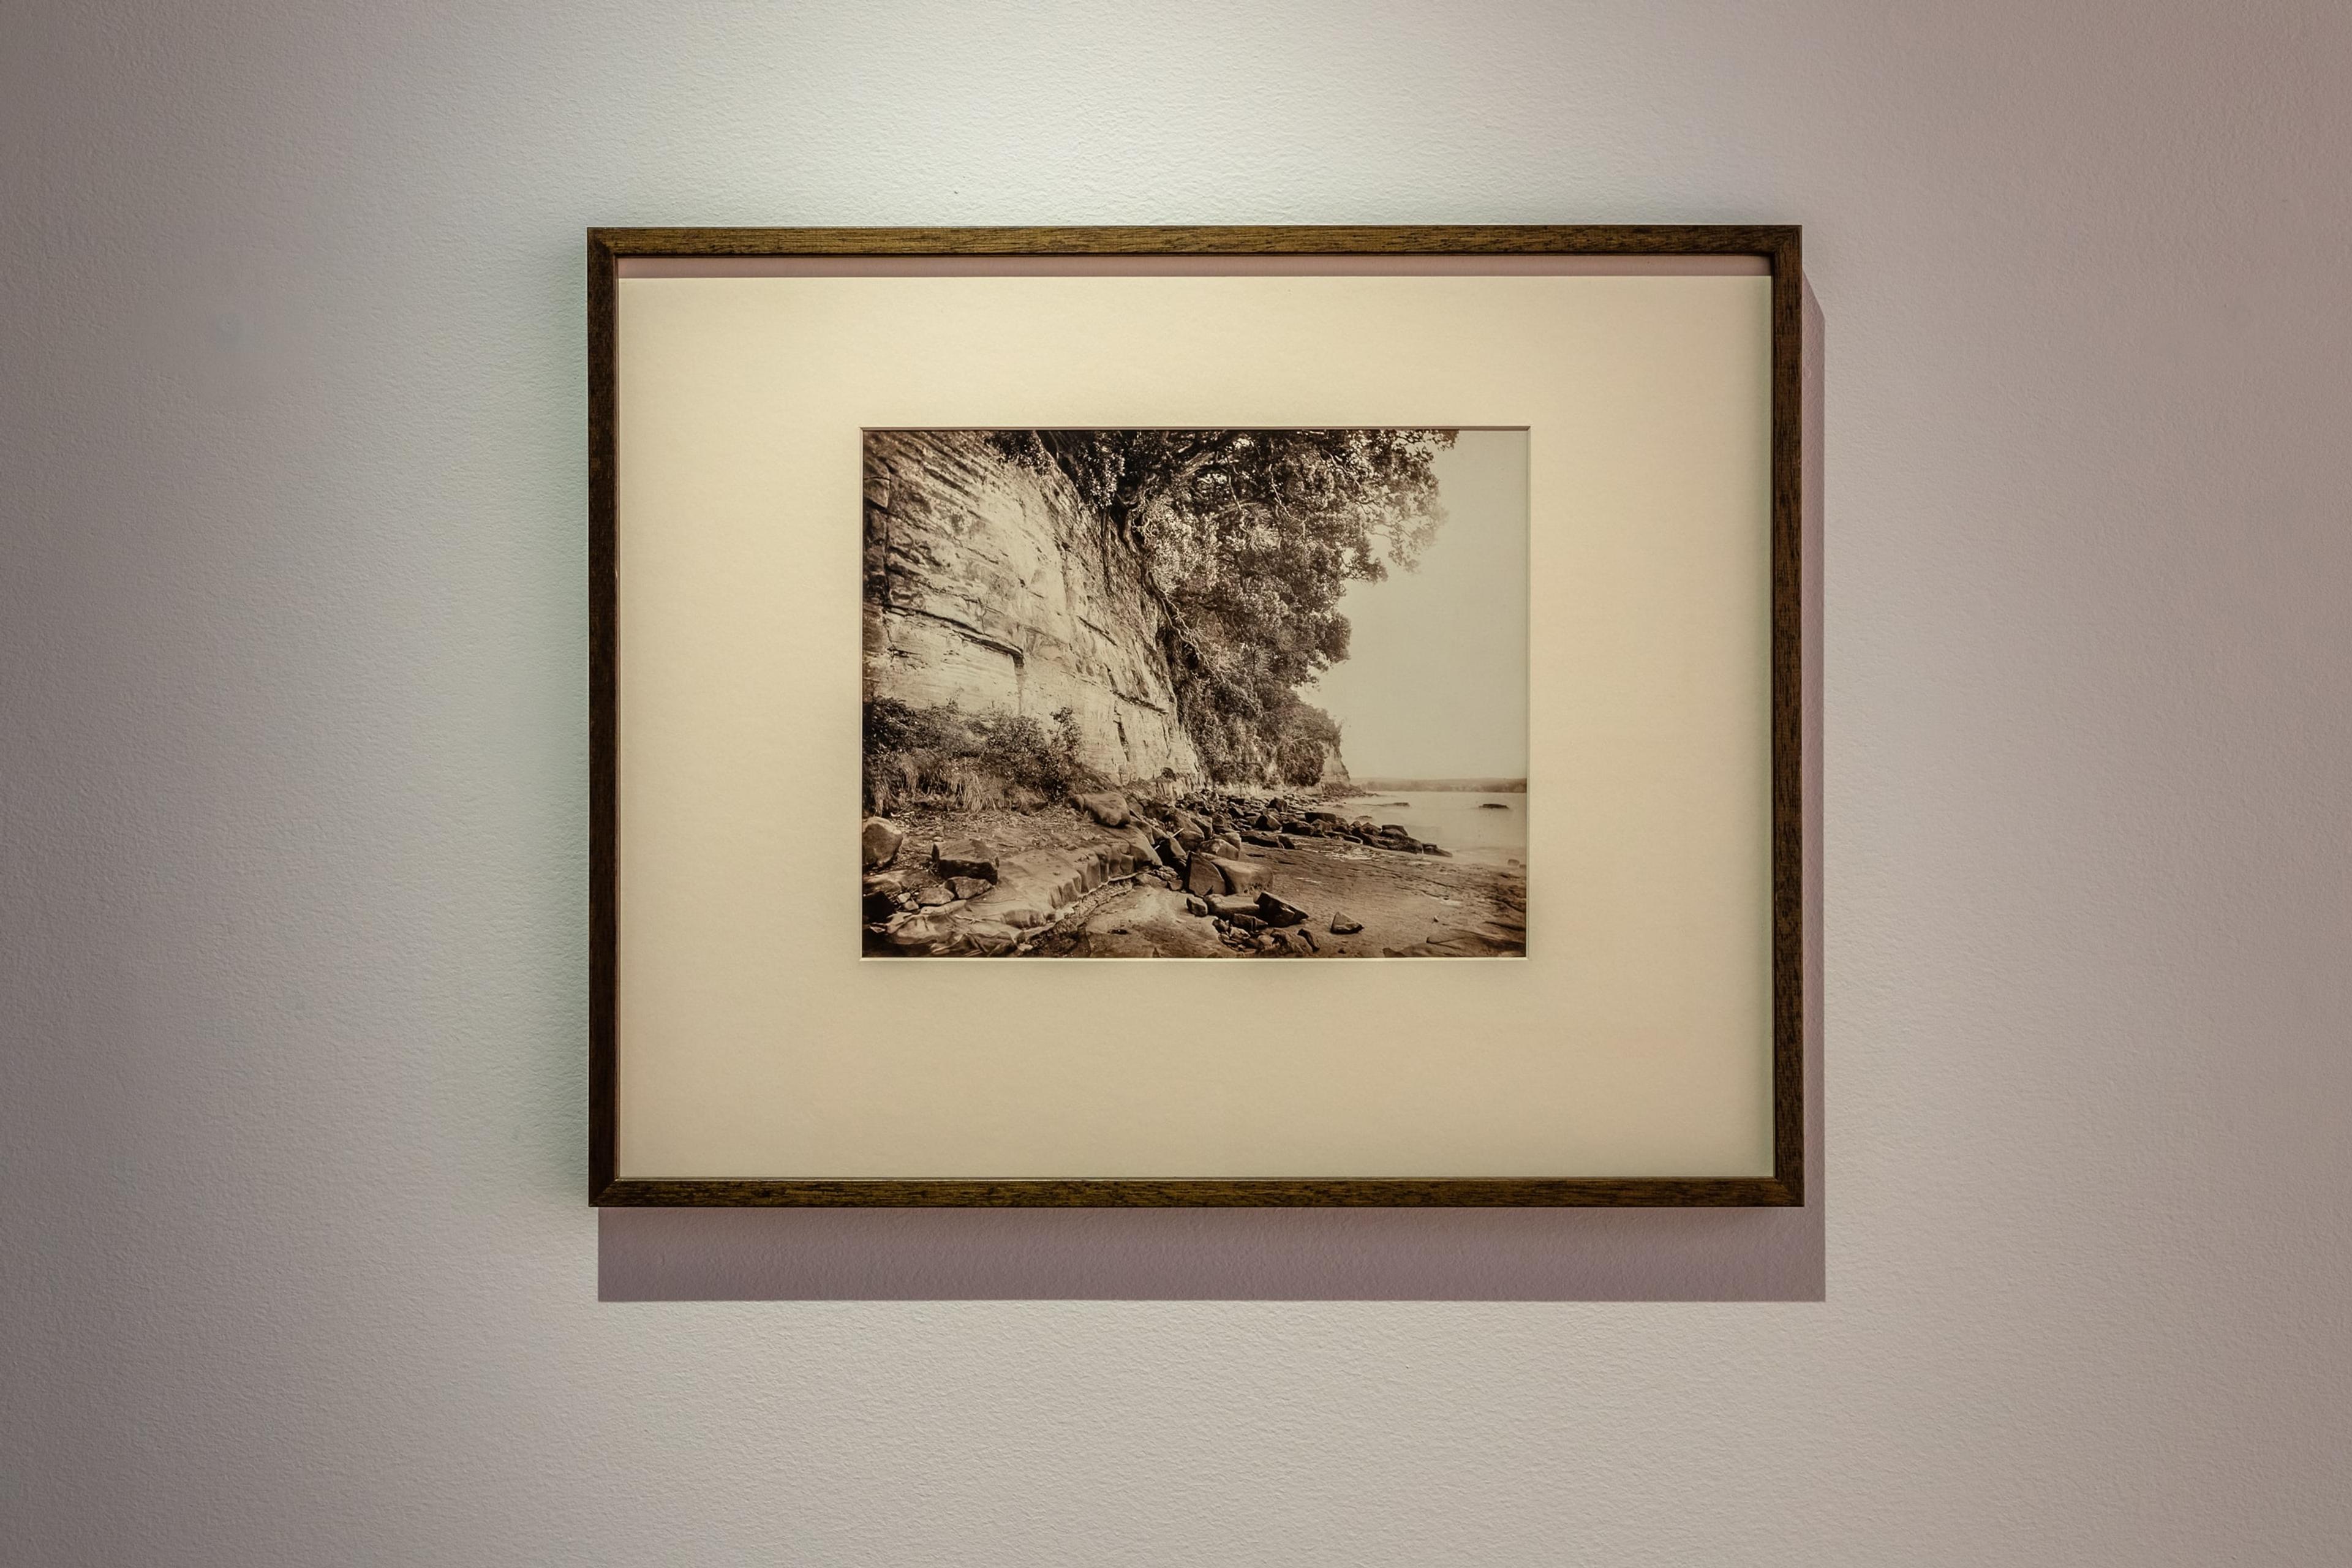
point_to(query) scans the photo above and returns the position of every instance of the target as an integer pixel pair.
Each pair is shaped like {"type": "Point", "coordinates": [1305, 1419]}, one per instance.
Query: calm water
{"type": "Point", "coordinates": [1454, 819]}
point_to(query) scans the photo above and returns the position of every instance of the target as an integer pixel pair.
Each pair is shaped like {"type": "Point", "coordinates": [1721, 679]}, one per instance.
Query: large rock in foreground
{"type": "Point", "coordinates": [1107, 808]}
{"type": "Point", "coordinates": [1207, 875]}
{"type": "Point", "coordinates": [1276, 912]}
{"type": "Point", "coordinates": [924, 934]}
{"type": "Point", "coordinates": [964, 858]}
{"type": "Point", "coordinates": [1243, 875]}
{"type": "Point", "coordinates": [880, 840]}
{"type": "Point", "coordinates": [1202, 876]}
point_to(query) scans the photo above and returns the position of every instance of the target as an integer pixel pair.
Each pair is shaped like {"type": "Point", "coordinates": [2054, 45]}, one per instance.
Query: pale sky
{"type": "Point", "coordinates": [1435, 684]}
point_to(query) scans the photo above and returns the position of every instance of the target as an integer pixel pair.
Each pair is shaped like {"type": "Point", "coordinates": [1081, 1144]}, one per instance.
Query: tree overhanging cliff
{"type": "Point", "coordinates": [1046, 608]}
{"type": "Point", "coordinates": [1248, 540]}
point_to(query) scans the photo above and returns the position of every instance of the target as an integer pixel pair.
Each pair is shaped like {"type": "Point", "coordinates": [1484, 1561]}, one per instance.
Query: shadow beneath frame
{"type": "Point", "coordinates": [1285, 1255]}
{"type": "Point", "coordinates": [1207, 1255]}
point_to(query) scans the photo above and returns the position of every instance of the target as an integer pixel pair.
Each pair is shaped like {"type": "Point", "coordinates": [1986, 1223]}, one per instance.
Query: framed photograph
{"type": "Point", "coordinates": [1195, 716]}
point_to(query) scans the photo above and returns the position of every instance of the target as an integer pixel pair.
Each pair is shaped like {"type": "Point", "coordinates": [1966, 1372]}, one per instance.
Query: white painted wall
{"type": "Point", "coordinates": [291, 810]}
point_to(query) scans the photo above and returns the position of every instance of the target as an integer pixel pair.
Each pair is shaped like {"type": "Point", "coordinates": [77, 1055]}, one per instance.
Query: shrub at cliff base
{"type": "Point", "coordinates": [950, 757]}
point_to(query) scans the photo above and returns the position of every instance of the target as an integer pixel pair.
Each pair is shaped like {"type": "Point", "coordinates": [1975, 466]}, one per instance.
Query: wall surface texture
{"type": "Point", "coordinates": [991, 585]}
{"type": "Point", "coordinates": [292, 804]}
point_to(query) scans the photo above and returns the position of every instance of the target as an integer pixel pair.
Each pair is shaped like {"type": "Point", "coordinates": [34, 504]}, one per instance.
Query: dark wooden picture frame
{"type": "Point", "coordinates": [1778, 245]}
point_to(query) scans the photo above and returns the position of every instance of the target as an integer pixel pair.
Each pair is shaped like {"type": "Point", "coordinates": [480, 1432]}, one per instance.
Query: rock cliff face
{"type": "Point", "coordinates": [991, 585]}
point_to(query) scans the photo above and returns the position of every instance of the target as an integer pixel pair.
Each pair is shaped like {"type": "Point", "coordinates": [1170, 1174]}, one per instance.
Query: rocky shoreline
{"type": "Point", "coordinates": [1167, 873]}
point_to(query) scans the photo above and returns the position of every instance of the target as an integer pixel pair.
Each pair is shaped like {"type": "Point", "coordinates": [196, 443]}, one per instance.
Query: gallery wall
{"type": "Point", "coordinates": [292, 806]}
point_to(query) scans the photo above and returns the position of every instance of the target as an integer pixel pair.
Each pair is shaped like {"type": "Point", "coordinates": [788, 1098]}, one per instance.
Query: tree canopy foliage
{"type": "Point", "coordinates": [1249, 538]}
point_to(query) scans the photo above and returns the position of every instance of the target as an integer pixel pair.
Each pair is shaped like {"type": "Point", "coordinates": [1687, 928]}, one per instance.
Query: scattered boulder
{"type": "Point", "coordinates": [964, 858]}
{"type": "Point", "coordinates": [1228, 905]}
{"type": "Point", "coordinates": [968, 886]}
{"type": "Point", "coordinates": [1250, 924]}
{"type": "Point", "coordinates": [1263, 840]}
{"type": "Point", "coordinates": [935, 895]}
{"type": "Point", "coordinates": [1198, 907]}
{"type": "Point", "coordinates": [1305, 939]}
{"type": "Point", "coordinates": [880, 839]}
{"type": "Point", "coordinates": [1202, 876]}
{"type": "Point", "coordinates": [1277, 912]}
{"type": "Point", "coordinates": [1342, 926]}
{"type": "Point", "coordinates": [1224, 848]}
{"type": "Point", "coordinates": [1243, 876]}
{"type": "Point", "coordinates": [1111, 810]}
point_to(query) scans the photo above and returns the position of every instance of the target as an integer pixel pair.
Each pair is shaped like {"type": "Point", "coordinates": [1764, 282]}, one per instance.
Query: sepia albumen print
{"type": "Point", "coordinates": [1195, 693]}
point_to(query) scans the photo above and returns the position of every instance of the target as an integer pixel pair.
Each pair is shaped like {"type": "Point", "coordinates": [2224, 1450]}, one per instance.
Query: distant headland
{"type": "Point", "coordinates": [1425, 787]}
